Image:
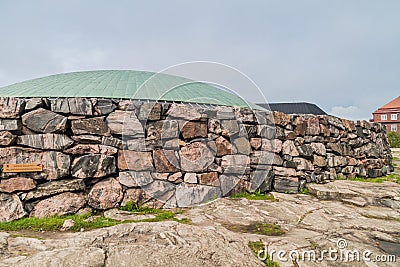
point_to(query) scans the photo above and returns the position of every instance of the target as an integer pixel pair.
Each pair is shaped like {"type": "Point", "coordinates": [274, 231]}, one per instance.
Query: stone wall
{"type": "Point", "coordinates": [102, 153]}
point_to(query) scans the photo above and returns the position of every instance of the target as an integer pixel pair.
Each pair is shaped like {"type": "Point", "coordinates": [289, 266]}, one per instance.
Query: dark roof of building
{"type": "Point", "coordinates": [294, 108]}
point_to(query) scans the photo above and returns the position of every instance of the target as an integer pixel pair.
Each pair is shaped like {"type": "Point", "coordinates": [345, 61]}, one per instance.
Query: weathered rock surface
{"type": "Point", "coordinates": [150, 111]}
{"type": "Point", "coordinates": [135, 161]}
{"type": "Point", "coordinates": [105, 194]}
{"type": "Point", "coordinates": [193, 129]}
{"type": "Point", "coordinates": [10, 125]}
{"type": "Point", "coordinates": [224, 223]}
{"type": "Point", "coordinates": [81, 149]}
{"type": "Point", "coordinates": [141, 198]}
{"type": "Point", "coordinates": [134, 179]}
{"type": "Point", "coordinates": [286, 184]}
{"type": "Point", "coordinates": [10, 208]}
{"type": "Point", "coordinates": [11, 107]}
{"type": "Point", "coordinates": [182, 111]}
{"type": "Point", "coordinates": [386, 194]}
{"type": "Point", "coordinates": [87, 139]}
{"type": "Point", "coordinates": [209, 178]}
{"type": "Point", "coordinates": [33, 103]}
{"type": "Point", "coordinates": [62, 204]}
{"type": "Point", "coordinates": [93, 166]}
{"type": "Point", "coordinates": [55, 187]}
{"type": "Point", "coordinates": [235, 163]}
{"type": "Point", "coordinates": [45, 141]}
{"type": "Point", "coordinates": [121, 215]}
{"type": "Point", "coordinates": [228, 183]}
{"type": "Point", "coordinates": [103, 106]}
{"type": "Point", "coordinates": [6, 138]}
{"type": "Point", "coordinates": [261, 180]}
{"type": "Point", "coordinates": [16, 184]}
{"type": "Point", "coordinates": [190, 195]}
{"type": "Point", "coordinates": [44, 121]}
{"type": "Point", "coordinates": [160, 190]}
{"type": "Point", "coordinates": [166, 160]}
{"type": "Point", "coordinates": [124, 123]}
{"type": "Point", "coordinates": [230, 127]}
{"type": "Point", "coordinates": [196, 157]}
{"type": "Point", "coordinates": [75, 106]}
{"type": "Point", "coordinates": [111, 141]}
{"type": "Point", "coordinates": [224, 147]}
{"type": "Point", "coordinates": [97, 126]}
{"type": "Point", "coordinates": [68, 256]}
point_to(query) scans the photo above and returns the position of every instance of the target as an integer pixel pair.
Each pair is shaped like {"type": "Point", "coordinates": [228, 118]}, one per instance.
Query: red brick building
{"type": "Point", "coordinates": [389, 115]}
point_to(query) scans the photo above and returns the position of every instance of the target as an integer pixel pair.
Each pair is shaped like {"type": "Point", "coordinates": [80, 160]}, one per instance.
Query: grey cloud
{"type": "Point", "coordinates": [333, 53]}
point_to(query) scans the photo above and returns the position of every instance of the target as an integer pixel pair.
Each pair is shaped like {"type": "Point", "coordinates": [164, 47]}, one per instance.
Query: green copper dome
{"type": "Point", "coordinates": [123, 84]}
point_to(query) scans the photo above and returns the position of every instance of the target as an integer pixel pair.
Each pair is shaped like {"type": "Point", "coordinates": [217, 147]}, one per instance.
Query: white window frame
{"type": "Point", "coordinates": [393, 117]}
{"type": "Point", "coordinates": [384, 117]}
{"type": "Point", "coordinates": [393, 128]}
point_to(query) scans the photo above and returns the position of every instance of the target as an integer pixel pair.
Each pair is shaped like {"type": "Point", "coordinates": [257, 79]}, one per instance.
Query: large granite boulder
{"type": "Point", "coordinates": [197, 156]}
{"type": "Point", "coordinates": [134, 178]}
{"type": "Point", "coordinates": [166, 160]}
{"type": "Point", "coordinates": [45, 141]}
{"type": "Point", "coordinates": [81, 149]}
{"type": "Point", "coordinates": [96, 126]}
{"type": "Point", "coordinates": [106, 194]}
{"type": "Point", "coordinates": [10, 125]}
{"type": "Point", "coordinates": [237, 164]}
{"type": "Point", "coordinates": [160, 190]}
{"type": "Point", "coordinates": [93, 166]}
{"type": "Point", "coordinates": [193, 129]}
{"type": "Point", "coordinates": [141, 198]}
{"type": "Point", "coordinates": [44, 121]}
{"type": "Point", "coordinates": [75, 106]}
{"type": "Point", "coordinates": [150, 111]}
{"type": "Point", "coordinates": [34, 103]}
{"type": "Point", "coordinates": [185, 112]}
{"type": "Point", "coordinates": [6, 138]}
{"type": "Point", "coordinates": [124, 123]}
{"type": "Point", "coordinates": [16, 184]}
{"type": "Point", "coordinates": [62, 204]}
{"type": "Point", "coordinates": [190, 195]}
{"type": "Point", "coordinates": [10, 208]}
{"type": "Point", "coordinates": [103, 106]}
{"type": "Point", "coordinates": [55, 187]}
{"type": "Point", "coordinates": [135, 161]}
{"type": "Point", "coordinates": [11, 107]}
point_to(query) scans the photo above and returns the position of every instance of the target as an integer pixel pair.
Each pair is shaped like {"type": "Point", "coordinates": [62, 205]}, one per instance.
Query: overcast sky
{"type": "Point", "coordinates": [343, 55]}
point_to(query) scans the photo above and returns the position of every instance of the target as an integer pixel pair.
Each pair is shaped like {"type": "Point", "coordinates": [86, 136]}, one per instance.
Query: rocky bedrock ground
{"type": "Point", "coordinates": [337, 210]}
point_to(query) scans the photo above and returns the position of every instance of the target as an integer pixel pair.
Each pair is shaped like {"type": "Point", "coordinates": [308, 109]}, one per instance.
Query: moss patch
{"type": "Point", "coordinates": [256, 228]}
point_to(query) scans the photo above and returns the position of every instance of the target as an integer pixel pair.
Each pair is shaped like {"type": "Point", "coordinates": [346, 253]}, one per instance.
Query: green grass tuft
{"type": "Point", "coordinates": [55, 223]}
{"type": "Point", "coordinates": [304, 191]}
{"type": "Point", "coordinates": [88, 221]}
{"type": "Point", "coordinates": [254, 196]}
{"type": "Point", "coordinates": [388, 178]}
{"type": "Point", "coordinates": [135, 208]}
